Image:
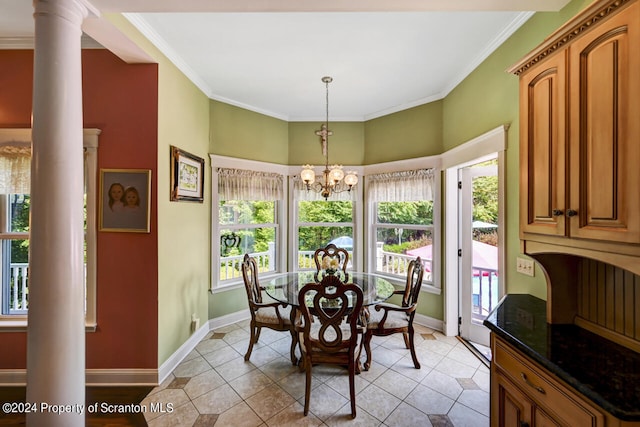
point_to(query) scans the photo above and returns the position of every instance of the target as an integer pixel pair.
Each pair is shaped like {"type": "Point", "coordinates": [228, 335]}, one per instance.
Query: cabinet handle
{"type": "Point", "coordinates": [557, 212]}
{"type": "Point", "coordinates": [524, 424]}
{"type": "Point", "coordinates": [571, 213]}
{"type": "Point", "coordinates": [530, 384]}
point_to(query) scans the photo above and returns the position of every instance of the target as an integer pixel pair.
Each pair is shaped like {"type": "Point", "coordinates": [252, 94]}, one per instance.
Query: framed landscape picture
{"type": "Point", "coordinates": [187, 176]}
{"type": "Point", "coordinates": [125, 200]}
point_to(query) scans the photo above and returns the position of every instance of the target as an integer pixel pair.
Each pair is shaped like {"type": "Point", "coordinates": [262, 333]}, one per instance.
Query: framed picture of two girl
{"type": "Point", "coordinates": [125, 200]}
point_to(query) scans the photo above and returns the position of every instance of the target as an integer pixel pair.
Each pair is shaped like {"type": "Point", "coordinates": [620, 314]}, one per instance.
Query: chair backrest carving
{"type": "Point", "coordinates": [334, 310]}
{"type": "Point", "coordinates": [332, 252]}
{"type": "Point", "coordinates": [415, 273]}
{"type": "Point", "coordinates": [250, 277]}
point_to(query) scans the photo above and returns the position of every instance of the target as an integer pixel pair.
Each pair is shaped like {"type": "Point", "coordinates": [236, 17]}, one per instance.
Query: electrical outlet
{"type": "Point", "coordinates": [525, 266]}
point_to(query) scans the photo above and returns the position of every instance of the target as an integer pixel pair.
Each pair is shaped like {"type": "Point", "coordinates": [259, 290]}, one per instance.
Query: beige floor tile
{"type": "Point", "coordinates": [184, 415]}
{"type": "Point", "coordinates": [217, 400]}
{"type": "Point", "coordinates": [293, 416]}
{"type": "Point", "coordinates": [454, 368]}
{"type": "Point", "coordinates": [443, 384]}
{"type": "Point", "coordinates": [325, 401]}
{"type": "Point", "coordinates": [463, 355]}
{"type": "Point", "coordinates": [406, 415]}
{"type": "Point", "coordinates": [235, 368]}
{"type": "Point", "coordinates": [203, 383]}
{"type": "Point", "coordinates": [462, 416]}
{"type": "Point", "coordinates": [429, 401]}
{"type": "Point", "coordinates": [208, 345]}
{"type": "Point", "coordinates": [377, 402]}
{"type": "Point", "coordinates": [451, 388]}
{"type": "Point", "coordinates": [240, 415]}
{"type": "Point", "coordinates": [389, 383]}
{"type": "Point", "coordinates": [278, 368]}
{"type": "Point", "coordinates": [343, 418]}
{"type": "Point", "coordinates": [477, 400]}
{"type": "Point", "coordinates": [192, 367]}
{"type": "Point", "coordinates": [167, 398]}
{"type": "Point", "coordinates": [269, 401]}
{"type": "Point", "coordinates": [340, 383]}
{"type": "Point", "coordinates": [236, 335]}
{"type": "Point", "coordinates": [294, 384]}
{"type": "Point", "coordinates": [250, 383]}
{"type": "Point", "coordinates": [405, 367]}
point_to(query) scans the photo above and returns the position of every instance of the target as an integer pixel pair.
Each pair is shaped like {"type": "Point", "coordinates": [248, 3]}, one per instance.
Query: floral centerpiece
{"type": "Point", "coordinates": [330, 265]}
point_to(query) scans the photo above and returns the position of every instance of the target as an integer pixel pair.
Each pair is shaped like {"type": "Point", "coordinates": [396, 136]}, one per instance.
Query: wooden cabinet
{"type": "Point", "coordinates": [524, 394]}
{"type": "Point", "coordinates": [543, 147]}
{"type": "Point", "coordinates": [579, 132]}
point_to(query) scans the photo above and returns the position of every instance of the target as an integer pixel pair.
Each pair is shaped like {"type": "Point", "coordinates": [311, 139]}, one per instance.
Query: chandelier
{"type": "Point", "coordinates": [334, 179]}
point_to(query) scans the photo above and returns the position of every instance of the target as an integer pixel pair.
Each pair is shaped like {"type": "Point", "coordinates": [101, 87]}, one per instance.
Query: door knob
{"type": "Point", "coordinates": [571, 213]}
{"type": "Point", "coordinates": [557, 212]}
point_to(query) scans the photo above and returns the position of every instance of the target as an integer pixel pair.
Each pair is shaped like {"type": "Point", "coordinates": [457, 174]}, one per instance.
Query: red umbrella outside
{"type": "Point", "coordinates": [485, 256]}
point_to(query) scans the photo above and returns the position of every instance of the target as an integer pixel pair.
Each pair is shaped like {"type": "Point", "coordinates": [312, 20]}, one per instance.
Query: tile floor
{"type": "Point", "coordinates": [215, 386]}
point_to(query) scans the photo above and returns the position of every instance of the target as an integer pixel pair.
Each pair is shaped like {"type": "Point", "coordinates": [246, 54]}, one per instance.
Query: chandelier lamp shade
{"type": "Point", "coordinates": [333, 178]}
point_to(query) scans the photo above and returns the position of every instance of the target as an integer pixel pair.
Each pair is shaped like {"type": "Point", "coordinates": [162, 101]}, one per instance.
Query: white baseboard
{"type": "Point", "coordinates": [429, 322]}
{"type": "Point", "coordinates": [94, 377]}
{"type": "Point", "coordinates": [187, 347]}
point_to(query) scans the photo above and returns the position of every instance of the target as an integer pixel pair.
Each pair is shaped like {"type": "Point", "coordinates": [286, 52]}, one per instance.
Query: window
{"type": "Point", "coordinates": [249, 209]}
{"type": "Point", "coordinates": [402, 222]}
{"type": "Point", "coordinates": [15, 164]}
{"type": "Point", "coordinates": [319, 222]}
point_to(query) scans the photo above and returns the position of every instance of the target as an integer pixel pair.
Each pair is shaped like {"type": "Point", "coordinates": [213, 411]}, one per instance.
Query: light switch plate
{"type": "Point", "coordinates": [525, 266]}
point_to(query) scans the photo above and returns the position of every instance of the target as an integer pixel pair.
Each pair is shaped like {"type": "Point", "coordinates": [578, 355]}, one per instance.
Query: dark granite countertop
{"type": "Point", "coordinates": [603, 371]}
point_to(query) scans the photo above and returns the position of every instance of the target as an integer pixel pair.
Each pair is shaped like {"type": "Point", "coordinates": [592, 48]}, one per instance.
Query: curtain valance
{"type": "Point", "coordinates": [241, 184]}
{"type": "Point", "coordinates": [15, 167]}
{"type": "Point", "coordinates": [413, 185]}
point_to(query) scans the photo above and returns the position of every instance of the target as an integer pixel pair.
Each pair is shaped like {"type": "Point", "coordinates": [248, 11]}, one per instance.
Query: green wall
{"type": "Point", "coordinates": [416, 132]}
{"type": "Point", "coordinates": [236, 132]}
{"type": "Point", "coordinates": [346, 144]}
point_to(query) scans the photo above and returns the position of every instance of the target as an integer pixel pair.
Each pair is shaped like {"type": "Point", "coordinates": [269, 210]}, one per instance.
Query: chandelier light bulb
{"type": "Point", "coordinates": [308, 175]}
{"type": "Point", "coordinates": [351, 178]}
{"type": "Point", "coordinates": [336, 174]}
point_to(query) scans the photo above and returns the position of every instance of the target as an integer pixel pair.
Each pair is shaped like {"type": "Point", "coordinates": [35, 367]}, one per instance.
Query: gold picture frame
{"type": "Point", "coordinates": [125, 200]}
{"type": "Point", "coordinates": [187, 176]}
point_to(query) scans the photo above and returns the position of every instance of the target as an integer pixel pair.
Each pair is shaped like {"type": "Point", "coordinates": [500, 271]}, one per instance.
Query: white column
{"type": "Point", "coordinates": [55, 334]}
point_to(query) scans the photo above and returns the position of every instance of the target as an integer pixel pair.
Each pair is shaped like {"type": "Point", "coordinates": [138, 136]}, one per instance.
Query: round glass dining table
{"type": "Point", "coordinates": [285, 287]}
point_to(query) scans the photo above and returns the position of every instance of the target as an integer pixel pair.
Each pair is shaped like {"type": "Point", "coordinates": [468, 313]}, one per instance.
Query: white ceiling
{"type": "Point", "coordinates": [269, 55]}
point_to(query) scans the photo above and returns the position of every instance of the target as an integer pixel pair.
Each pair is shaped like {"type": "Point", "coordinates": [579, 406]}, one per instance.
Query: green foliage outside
{"type": "Point", "coordinates": [20, 206]}
{"type": "Point", "coordinates": [312, 237]}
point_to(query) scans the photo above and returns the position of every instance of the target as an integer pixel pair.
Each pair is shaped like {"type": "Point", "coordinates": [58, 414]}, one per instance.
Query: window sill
{"type": "Point", "coordinates": [21, 326]}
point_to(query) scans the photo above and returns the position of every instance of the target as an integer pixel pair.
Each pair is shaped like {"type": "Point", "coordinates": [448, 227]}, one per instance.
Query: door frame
{"type": "Point", "coordinates": [478, 149]}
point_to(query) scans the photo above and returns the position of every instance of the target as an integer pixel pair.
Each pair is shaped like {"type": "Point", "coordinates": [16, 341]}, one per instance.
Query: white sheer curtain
{"type": "Point", "coordinates": [413, 185]}
{"type": "Point", "coordinates": [300, 192]}
{"type": "Point", "coordinates": [241, 184]}
{"type": "Point", "coordinates": [15, 167]}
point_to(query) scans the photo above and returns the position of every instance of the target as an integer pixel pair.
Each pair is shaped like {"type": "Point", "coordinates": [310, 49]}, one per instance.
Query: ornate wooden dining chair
{"type": "Point", "coordinates": [388, 319]}
{"type": "Point", "coordinates": [333, 257]}
{"type": "Point", "coordinates": [272, 315]}
{"type": "Point", "coordinates": [330, 330]}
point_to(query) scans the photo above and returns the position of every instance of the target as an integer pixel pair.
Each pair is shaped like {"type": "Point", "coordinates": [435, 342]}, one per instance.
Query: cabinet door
{"type": "Point", "coordinates": [512, 407]}
{"type": "Point", "coordinates": [605, 130]}
{"type": "Point", "coordinates": [543, 146]}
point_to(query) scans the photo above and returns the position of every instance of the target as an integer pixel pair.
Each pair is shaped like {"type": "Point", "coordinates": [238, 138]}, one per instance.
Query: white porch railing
{"type": "Point", "coordinates": [19, 287]}
{"type": "Point", "coordinates": [231, 266]}
{"type": "Point", "coordinates": [19, 290]}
